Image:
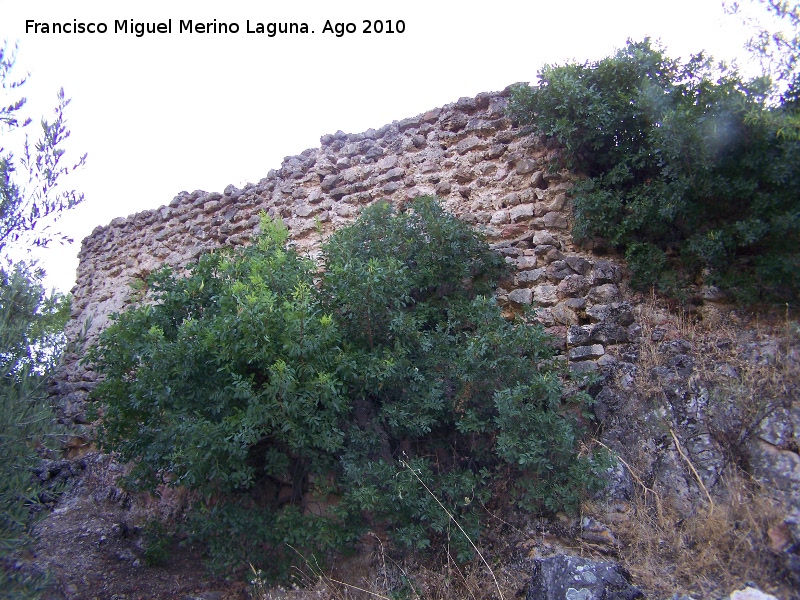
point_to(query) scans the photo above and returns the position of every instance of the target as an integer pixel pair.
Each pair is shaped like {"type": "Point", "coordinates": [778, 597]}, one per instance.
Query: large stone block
{"type": "Point", "coordinates": [575, 578]}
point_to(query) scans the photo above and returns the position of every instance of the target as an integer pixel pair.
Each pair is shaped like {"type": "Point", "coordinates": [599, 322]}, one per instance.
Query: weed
{"type": "Point", "coordinates": [157, 544]}
{"type": "Point", "coordinates": [745, 368]}
{"type": "Point", "coordinates": [385, 577]}
{"type": "Point", "coordinates": [723, 548]}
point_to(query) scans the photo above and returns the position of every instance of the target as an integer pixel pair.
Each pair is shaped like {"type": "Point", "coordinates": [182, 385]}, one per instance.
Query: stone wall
{"type": "Point", "coordinates": [468, 153]}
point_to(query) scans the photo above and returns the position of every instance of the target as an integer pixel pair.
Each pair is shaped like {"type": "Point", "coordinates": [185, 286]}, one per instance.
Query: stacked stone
{"type": "Point", "coordinates": [469, 154]}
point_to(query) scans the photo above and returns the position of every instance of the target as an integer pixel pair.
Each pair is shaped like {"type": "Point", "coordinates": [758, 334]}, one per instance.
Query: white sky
{"type": "Point", "coordinates": [165, 113]}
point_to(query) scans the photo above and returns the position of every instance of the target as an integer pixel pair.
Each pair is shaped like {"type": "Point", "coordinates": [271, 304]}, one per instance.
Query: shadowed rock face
{"type": "Point", "coordinates": [573, 578]}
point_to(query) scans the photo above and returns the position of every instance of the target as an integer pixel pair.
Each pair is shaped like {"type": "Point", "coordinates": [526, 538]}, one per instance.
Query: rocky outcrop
{"type": "Point", "coordinates": [577, 578]}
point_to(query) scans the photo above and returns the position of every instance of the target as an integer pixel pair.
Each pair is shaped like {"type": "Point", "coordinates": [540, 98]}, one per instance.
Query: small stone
{"type": "Point", "coordinates": [393, 174]}
{"type": "Point", "coordinates": [500, 217]}
{"type": "Point", "coordinates": [542, 237]}
{"type": "Point", "coordinates": [508, 251]}
{"type": "Point", "coordinates": [607, 272]}
{"type": "Point", "coordinates": [558, 202]}
{"type": "Point", "coordinates": [577, 336]}
{"type": "Point", "coordinates": [520, 296]}
{"type": "Point", "coordinates": [594, 531]}
{"type": "Point", "coordinates": [634, 332]}
{"type": "Point", "coordinates": [583, 367]}
{"type": "Point", "coordinates": [387, 163]}
{"type": "Point", "coordinates": [468, 144]}
{"type": "Point", "coordinates": [607, 360]}
{"type": "Point", "coordinates": [329, 182]}
{"type": "Point", "coordinates": [496, 151]}
{"type": "Point", "coordinates": [609, 333]}
{"type": "Point", "coordinates": [555, 220]}
{"type": "Point", "coordinates": [576, 578]}
{"type": "Point", "coordinates": [576, 303]}
{"type": "Point", "coordinates": [617, 312]}
{"type": "Point", "coordinates": [586, 352]}
{"type": "Point", "coordinates": [304, 210]}
{"type": "Point", "coordinates": [521, 212]}
{"type": "Point", "coordinates": [750, 593]}
{"type": "Point", "coordinates": [526, 166]}
{"type": "Point", "coordinates": [564, 315]}
{"type": "Point", "coordinates": [578, 264]}
{"type": "Point", "coordinates": [780, 537]}
{"type": "Point", "coordinates": [463, 175]}
{"type": "Point", "coordinates": [431, 115]}
{"type": "Point", "coordinates": [512, 231]}
{"type": "Point", "coordinates": [545, 317]}
{"type": "Point", "coordinates": [391, 187]}
{"type": "Point", "coordinates": [546, 295]}
{"type": "Point", "coordinates": [443, 188]}
{"type": "Point", "coordinates": [604, 294]}
{"type": "Point", "coordinates": [573, 285]}
{"type": "Point", "coordinates": [530, 276]}
{"type": "Point", "coordinates": [558, 269]}
{"type": "Point", "coordinates": [552, 255]}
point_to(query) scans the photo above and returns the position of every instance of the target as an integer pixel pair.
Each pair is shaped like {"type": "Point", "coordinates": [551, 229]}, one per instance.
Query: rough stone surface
{"type": "Point", "coordinates": [573, 578]}
{"type": "Point", "coordinates": [546, 295]}
{"type": "Point", "coordinates": [750, 593]}
{"type": "Point", "coordinates": [520, 296]}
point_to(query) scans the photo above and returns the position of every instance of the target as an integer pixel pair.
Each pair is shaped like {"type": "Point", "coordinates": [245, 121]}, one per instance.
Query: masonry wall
{"type": "Point", "coordinates": [468, 153]}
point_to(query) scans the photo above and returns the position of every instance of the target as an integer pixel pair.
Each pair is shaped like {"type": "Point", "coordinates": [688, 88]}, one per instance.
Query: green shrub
{"type": "Point", "coordinates": [31, 324]}
{"type": "Point", "coordinates": [687, 169]}
{"type": "Point", "coordinates": [297, 404]}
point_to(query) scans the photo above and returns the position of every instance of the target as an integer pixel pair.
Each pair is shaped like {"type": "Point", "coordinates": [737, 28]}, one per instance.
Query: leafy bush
{"type": "Point", "coordinates": [31, 321]}
{"type": "Point", "coordinates": [303, 406]}
{"type": "Point", "coordinates": [687, 169]}
{"type": "Point", "coordinates": [31, 324]}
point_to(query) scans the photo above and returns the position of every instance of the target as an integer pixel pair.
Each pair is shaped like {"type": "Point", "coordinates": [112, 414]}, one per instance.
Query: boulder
{"type": "Point", "coordinates": [575, 578]}
{"type": "Point", "coordinates": [751, 593]}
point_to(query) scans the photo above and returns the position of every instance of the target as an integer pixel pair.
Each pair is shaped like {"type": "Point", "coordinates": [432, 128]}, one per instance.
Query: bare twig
{"type": "Point", "coordinates": [694, 471]}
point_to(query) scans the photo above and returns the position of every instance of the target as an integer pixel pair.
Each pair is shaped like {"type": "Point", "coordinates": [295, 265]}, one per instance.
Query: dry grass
{"type": "Point", "coordinates": [707, 553]}
{"type": "Point", "coordinates": [749, 368]}
{"type": "Point", "coordinates": [375, 574]}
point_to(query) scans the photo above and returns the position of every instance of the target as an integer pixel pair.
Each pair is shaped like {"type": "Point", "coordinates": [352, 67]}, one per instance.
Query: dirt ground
{"type": "Point", "coordinates": [92, 545]}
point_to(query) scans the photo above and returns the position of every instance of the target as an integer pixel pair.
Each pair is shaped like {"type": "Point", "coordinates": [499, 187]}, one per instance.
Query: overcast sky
{"type": "Point", "coordinates": [167, 112]}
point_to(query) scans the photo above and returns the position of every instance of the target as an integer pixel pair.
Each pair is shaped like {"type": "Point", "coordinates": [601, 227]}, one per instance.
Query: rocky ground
{"type": "Point", "coordinates": [93, 544]}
